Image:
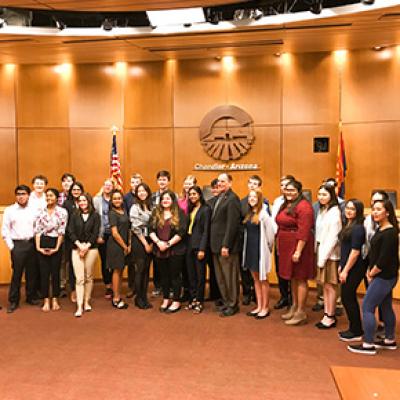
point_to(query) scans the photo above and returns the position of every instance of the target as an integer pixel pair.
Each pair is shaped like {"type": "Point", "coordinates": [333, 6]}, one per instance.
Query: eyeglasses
{"type": "Point", "coordinates": [22, 194]}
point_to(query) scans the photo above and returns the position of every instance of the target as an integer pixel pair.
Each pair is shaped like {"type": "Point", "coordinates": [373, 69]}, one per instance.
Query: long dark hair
{"type": "Point", "coordinates": [387, 204]}
{"type": "Point", "coordinates": [80, 186]}
{"type": "Point", "coordinates": [333, 198]}
{"type": "Point", "coordinates": [158, 213]}
{"type": "Point", "coordinates": [89, 199]}
{"type": "Point", "coordinates": [198, 190]}
{"type": "Point", "coordinates": [299, 187]}
{"type": "Point", "coordinates": [146, 202]}
{"type": "Point", "coordinates": [347, 229]}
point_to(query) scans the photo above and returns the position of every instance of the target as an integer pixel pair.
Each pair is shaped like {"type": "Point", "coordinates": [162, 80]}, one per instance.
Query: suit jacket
{"type": "Point", "coordinates": [83, 231]}
{"type": "Point", "coordinates": [201, 228]}
{"type": "Point", "coordinates": [225, 223]}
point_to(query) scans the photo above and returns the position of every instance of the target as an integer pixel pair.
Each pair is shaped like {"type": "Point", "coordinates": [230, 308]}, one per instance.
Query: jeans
{"type": "Point", "coordinates": [379, 292]}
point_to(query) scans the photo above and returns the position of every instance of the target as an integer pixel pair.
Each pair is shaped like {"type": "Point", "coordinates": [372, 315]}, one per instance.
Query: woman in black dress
{"type": "Point", "coordinates": [118, 246]}
{"type": "Point", "coordinates": [352, 266]}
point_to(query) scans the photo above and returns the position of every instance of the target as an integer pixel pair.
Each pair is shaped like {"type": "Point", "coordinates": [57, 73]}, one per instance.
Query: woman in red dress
{"type": "Point", "coordinates": [295, 241]}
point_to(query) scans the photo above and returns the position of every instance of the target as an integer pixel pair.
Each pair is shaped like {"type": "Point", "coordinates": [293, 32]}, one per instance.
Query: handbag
{"type": "Point", "coordinates": [48, 242]}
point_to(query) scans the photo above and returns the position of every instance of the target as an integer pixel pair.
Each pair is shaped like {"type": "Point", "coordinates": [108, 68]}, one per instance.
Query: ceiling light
{"type": "Point", "coordinates": [378, 48]}
{"type": "Point", "coordinates": [182, 16]}
{"type": "Point", "coordinates": [59, 24]}
{"type": "Point", "coordinates": [107, 25]}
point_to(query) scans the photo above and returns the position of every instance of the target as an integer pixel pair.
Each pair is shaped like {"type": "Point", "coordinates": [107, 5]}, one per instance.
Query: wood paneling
{"type": "Point", "coordinates": [310, 89]}
{"type": "Point", "coordinates": [194, 79]}
{"type": "Point", "coordinates": [43, 151]}
{"type": "Point", "coordinates": [90, 156]}
{"type": "Point", "coordinates": [148, 94]}
{"type": "Point", "coordinates": [373, 158]}
{"type": "Point", "coordinates": [265, 152]}
{"type": "Point", "coordinates": [148, 151]}
{"type": "Point", "coordinates": [97, 96]}
{"type": "Point", "coordinates": [7, 98]}
{"type": "Point", "coordinates": [298, 157]}
{"type": "Point", "coordinates": [371, 86]}
{"type": "Point", "coordinates": [8, 165]}
{"type": "Point", "coordinates": [254, 84]}
{"type": "Point", "coordinates": [42, 97]}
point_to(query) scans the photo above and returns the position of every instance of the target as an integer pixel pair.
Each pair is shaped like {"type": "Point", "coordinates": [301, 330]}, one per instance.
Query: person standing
{"type": "Point", "coordinates": [295, 242]}
{"type": "Point", "coordinates": [257, 248]}
{"type": "Point", "coordinates": [84, 227]}
{"type": "Point", "coordinates": [284, 284]}
{"type": "Point", "coordinates": [382, 277]}
{"type": "Point", "coordinates": [101, 203]}
{"type": "Point", "coordinates": [17, 231]}
{"type": "Point", "coordinates": [119, 245]}
{"type": "Point", "coordinates": [225, 244]}
{"type": "Point", "coordinates": [142, 245]}
{"type": "Point", "coordinates": [37, 198]}
{"type": "Point", "coordinates": [352, 267]}
{"type": "Point", "coordinates": [49, 228]}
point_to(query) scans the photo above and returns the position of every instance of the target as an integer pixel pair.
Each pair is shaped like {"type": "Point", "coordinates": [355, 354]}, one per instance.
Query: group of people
{"type": "Point", "coordinates": [55, 237]}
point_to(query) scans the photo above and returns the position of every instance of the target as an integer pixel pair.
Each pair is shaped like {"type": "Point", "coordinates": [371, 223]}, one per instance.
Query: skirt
{"type": "Point", "coordinates": [328, 273]}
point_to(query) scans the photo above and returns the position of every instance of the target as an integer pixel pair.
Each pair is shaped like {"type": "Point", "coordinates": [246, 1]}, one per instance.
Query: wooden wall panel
{"type": "Point", "coordinates": [42, 97]}
{"type": "Point", "coordinates": [43, 151]}
{"type": "Point", "coordinates": [8, 165]}
{"type": "Point", "coordinates": [265, 152]}
{"type": "Point", "coordinates": [7, 98]}
{"type": "Point", "coordinates": [298, 157]}
{"type": "Point", "coordinates": [371, 86]}
{"type": "Point", "coordinates": [198, 88]}
{"type": "Point", "coordinates": [310, 89]}
{"type": "Point", "coordinates": [373, 158]}
{"type": "Point", "coordinates": [90, 156]}
{"type": "Point", "coordinates": [96, 96]}
{"type": "Point", "coordinates": [254, 84]}
{"type": "Point", "coordinates": [148, 94]}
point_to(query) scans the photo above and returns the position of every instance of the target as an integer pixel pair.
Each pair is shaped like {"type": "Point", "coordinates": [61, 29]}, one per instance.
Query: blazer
{"type": "Point", "coordinates": [225, 223]}
{"type": "Point", "coordinates": [85, 232]}
{"type": "Point", "coordinates": [201, 229]}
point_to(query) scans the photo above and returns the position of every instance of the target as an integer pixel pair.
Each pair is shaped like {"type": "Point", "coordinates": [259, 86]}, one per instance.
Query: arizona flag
{"type": "Point", "coordinates": [115, 165]}
{"type": "Point", "coordinates": [341, 166]}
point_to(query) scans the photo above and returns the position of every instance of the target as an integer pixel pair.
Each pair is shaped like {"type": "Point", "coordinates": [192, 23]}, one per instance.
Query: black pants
{"type": "Point", "coordinates": [349, 298]}
{"type": "Point", "coordinates": [196, 271]}
{"type": "Point", "coordinates": [105, 271]}
{"type": "Point", "coordinates": [141, 262]}
{"type": "Point", "coordinates": [214, 293]}
{"type": "Point", "coordinates": [170, 270]}
{"type": "Point", "coordinates": [50, 269]}
{"type": "Point", "coordinates": [131, 268]}
{"type": "Point", "coordinates": [284, 285]}
{"type": "Point", "coordinates": [23, 257]}
{"type": "Point", "coordinates": [156, 275]}
{"type": "Point", "coordinates": [247, 281]}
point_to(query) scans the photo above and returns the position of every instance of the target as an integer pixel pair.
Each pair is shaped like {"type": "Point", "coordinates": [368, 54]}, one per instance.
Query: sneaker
{"type": "Point", "coordinates": [349, 336]}
{"type": "Point", "coordinates": [360, 349]}
{"type": "Point", "coordinates": [381, 344]}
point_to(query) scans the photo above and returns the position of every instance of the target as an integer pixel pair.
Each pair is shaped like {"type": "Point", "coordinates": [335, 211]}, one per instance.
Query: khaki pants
{"type": "Point", "coordinates": [83, 268]}
{"type": "Point", "coordinates": [227, 275]}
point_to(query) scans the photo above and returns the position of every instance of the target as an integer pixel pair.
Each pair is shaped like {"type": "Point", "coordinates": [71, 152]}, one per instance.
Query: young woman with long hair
{"type": "Point", "coordinates": [142, 246]}
{"type": "Point", "coordinates": [118, 245]}
{"type": "Point", "coordinates": [257, 247]}
{"type": "Point", "coordinates": [83, 229]}
{"type": "Point", "coordinates": [168, 226]}
{"type": "Point", "coordinates": [352, 266]}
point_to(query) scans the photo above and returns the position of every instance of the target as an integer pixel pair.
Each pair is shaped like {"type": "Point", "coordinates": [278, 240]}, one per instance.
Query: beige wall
{"type": "Point", "coordinates": [51, 122]}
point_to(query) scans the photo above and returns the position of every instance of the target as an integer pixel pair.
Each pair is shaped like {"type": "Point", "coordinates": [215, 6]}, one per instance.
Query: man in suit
{"type": "Point", "coordinates": [254, 183]}
{"type": "Point", "coordinates": [225, 244]}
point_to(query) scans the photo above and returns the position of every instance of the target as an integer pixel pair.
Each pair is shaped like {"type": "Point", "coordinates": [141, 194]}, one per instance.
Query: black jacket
{"type": "Point", "coordinates": [225, 223]}
{"type": "Point", "coordinates": [201, 228]}
{"type": "Point", "coordinates": [83, 231]}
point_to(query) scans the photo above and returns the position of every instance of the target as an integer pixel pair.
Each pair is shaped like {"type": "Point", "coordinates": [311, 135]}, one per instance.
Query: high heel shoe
{"type": "Point", "coordinates": [289, 315]}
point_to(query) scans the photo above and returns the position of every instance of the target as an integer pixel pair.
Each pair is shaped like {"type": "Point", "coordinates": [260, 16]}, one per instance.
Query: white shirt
{"type": "Point", "coordinates": [17, 224]}
{"type": "Point", "coordinates": [37, 203]}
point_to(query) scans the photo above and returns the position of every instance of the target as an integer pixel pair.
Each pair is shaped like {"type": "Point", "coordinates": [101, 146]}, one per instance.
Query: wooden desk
{"type": "Point", "coordinates": [367, 383]}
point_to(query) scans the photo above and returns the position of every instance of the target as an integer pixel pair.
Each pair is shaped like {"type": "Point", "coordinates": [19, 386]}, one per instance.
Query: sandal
{"type": "Point", "coordinates": [198, 308]}
{"type": "Point", "coordinates": [120, 304]}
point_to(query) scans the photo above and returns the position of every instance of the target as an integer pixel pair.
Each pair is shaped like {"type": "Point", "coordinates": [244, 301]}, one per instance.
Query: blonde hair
{"type": "Point", "coordinates": [100, 192]}
{"type": "Point", "coordinates": [251, 216]}
{"type": "Point", "coordinates": [182, 195]}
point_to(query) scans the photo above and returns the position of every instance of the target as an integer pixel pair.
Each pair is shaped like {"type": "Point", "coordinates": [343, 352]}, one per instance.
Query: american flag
{"type": "Point", "coordinates": [341, 166]}
{"type": "Point", "coordinates": [115, 165]}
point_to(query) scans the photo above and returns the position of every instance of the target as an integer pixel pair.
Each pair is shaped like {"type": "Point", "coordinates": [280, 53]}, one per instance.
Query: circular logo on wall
{"type": "Point", "coordinates": [226, 133]}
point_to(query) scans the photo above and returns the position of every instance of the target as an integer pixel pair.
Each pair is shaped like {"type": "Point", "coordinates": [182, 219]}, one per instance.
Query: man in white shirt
{"type": "Point", "coordinates": [37, 198]}
{"type": "Point", "coordinates": [17, 232]}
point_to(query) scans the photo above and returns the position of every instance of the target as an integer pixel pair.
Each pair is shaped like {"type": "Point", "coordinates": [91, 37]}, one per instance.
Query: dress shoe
{"type": "Point", "coordinates": [148, 305]}
{"type": "Point", "coordinates": [282, 303]}
{"type": "Point", "coordinates": [12, 307]}
{"type": "Point", "coordinates": [321, 325]}
{"type": "Point", "coordinates": [140, 304]}
{"type": "Point", "coordinates": [229, 311]}
{"type": "Point", "coordinates": [33, 302]}
{"type": "Point", "coordinates": [172, 310]}
{"type": "Point", "coordinates": [221, 308]}
{"type": "Point", "coordinates": [289, 314]}
{"type": "Point", "coordinates": [299, 318]}
{"type": "Point", "coordinates": [219, 302]}
{"type": "Point", "coordinates": [246, 300]}
{"type": "Point", "coordinates": [263, 316]}
{"type": "Point", "coordinates": [252, 314]}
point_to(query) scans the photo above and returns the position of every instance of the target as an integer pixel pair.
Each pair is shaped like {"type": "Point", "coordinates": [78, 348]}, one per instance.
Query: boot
{"type": "Point", "coordinates": [290, 313]}
{"type": "Point", "coordinates": [299, 318]}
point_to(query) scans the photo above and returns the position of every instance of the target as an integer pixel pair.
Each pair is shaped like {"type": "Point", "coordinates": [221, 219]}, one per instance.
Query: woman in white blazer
{"type": "Point", "coordinates": [327, 228]}
{"type": "Point", "coordinates": [257, 247]}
